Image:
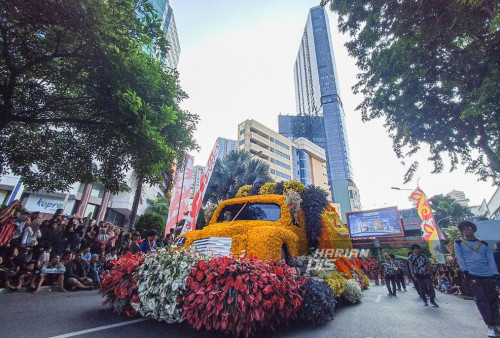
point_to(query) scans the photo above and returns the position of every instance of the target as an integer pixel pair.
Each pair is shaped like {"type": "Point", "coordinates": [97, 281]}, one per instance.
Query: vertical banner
{"type": "Point", "coordinates": [428, 225]}
{"type": "Point", "coordinates": [198, 197]}
{"type": "Point", "coordinates": [179, 202]}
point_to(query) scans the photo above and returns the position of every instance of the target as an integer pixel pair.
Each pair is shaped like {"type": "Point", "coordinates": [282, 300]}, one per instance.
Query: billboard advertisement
{"type": "Point", "coordinates": [384, 222]}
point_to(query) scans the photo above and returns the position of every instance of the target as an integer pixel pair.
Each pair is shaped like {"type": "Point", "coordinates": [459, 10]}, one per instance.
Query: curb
{"type": "Point", "coordinates": [43, 288]}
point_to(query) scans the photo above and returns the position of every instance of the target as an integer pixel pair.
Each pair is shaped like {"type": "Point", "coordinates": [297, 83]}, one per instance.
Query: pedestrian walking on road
{"type": "Point", "coordinates": [390, 269]}
{"type": "Point", "coordinates": [476, 261]}
{"type": "Point", "coordinates": [421, 272]}
{"type": "Point", "coordinates": [410, 277]}
{"type": "Point", "coordinates": [400, 277]}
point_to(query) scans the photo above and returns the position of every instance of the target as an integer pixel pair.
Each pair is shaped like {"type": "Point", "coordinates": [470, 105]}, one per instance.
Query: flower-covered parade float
{"type": "Point", "coordinates": [262, 262]}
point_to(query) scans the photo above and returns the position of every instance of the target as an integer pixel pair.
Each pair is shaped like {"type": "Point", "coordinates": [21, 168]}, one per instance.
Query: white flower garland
{"type": "Point", "coordinates": [161, 280]}
{"type": "Point", "coordinates": [353, 292]}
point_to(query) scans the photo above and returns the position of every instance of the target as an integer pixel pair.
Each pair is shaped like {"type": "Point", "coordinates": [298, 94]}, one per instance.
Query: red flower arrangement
{"type": "Point", "coordinates": [238, 296]}
{"type": "Point", "coordinates": [119, 287]}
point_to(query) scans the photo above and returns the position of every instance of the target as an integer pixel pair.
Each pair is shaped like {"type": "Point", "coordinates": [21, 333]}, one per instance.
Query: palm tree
{"type": "Point", "coordinates": [234, 171]}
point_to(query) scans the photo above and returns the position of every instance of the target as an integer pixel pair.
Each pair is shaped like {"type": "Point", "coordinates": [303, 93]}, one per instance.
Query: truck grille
{"type": "Point", "coordinates": [220, 246]}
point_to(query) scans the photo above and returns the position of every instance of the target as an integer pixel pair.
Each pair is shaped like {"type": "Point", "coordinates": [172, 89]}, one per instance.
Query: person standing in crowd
{"type": "Point", "coordinates": [400, 277]}
{"type": "Point", "coordinates": [170, 237]}
{"type": "Point", "coordinates": [134, 245]}
{"type": "Point", "coordinates": [476, 261]}
{"type": "Point", "coordinates": [95, 269]}
{"type": "Point", "coordinates": [390, 269]}
{"type": "Point", "coordinates": [149, 245]}
{"type": "Point", "coordinates": [421, 272]}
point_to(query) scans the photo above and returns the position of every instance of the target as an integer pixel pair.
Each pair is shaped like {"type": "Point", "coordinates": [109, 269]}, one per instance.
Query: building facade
{"type": "Point", "coordinates": [459, 197]}
{"type": "Point", "coordinates": [226, 146]}
{"type": "Point", "coordinates": [319, 107]}
{"type": "Point", "coordinates": [166, 15]}
{"type": "Point", "coordinates": [301, 160]}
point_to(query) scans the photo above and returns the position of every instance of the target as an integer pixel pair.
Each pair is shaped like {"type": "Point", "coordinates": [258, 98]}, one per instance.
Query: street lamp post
{"type": "Point", "coordinates": [397, 188]}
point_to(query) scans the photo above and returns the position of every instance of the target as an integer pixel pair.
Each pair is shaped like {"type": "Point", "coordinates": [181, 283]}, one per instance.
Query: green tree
{"type": "Point", "coordinates": [447, 211]}
{"type": "Point", "coordinates": [431, 68]}
{"type": "Point", "coordinates": [150, 221]}
{"type": "Point", "coordinates": [234, 171]}
{"type": "Point", "coordinates": [159, 206]}
{"type": "Point", "coordinates": [82, 98]}
{"type": "Point", "coordinates": [452, 234]}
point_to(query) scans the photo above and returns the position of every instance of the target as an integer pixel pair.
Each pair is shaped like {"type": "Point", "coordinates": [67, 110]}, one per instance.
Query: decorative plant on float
{"type": "Point", "coordinates": [239, 296]}
{"type": "Point", "coordinates": [119, 287]}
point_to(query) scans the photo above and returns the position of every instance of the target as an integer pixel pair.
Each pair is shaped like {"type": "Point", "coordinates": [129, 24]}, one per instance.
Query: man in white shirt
{"type": "Point", "coordinates": [52, 272]}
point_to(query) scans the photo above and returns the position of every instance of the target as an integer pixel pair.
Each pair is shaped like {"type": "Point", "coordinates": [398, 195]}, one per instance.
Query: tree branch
{"type": "Point", "coordinates": [56, 121]}
{"type": "Point", "coordinates": [483, 144]}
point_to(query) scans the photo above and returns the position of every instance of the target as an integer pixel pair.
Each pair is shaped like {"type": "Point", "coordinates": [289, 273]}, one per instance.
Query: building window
{"type": "Point", "coordinates": [282, 154]}
{"type": "Point", "coordinates": [282, 144]}
{"type": "Point", "coordinates": [242, 142]}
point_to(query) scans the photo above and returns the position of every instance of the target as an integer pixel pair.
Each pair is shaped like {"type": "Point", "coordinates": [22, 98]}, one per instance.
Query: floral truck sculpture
{"type": "Point", "coordinates": [243, 286]}
{"type": "Point", "coordinates": [267, 227]}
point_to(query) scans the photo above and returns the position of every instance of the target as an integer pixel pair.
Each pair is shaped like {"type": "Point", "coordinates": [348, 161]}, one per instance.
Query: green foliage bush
{"type": "Point", "coordinates": [150, 221]}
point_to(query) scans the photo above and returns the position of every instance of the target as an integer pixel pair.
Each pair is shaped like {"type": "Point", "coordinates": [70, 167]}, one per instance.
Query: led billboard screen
{"type": "Point", "coordinates": [384, 222]}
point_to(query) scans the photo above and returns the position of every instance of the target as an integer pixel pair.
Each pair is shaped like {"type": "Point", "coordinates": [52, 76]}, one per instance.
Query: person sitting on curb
{"type": "Point", "coordinates": [95, 269]}
{"type": "Point", "coordinates": [76, 274]}
{"type": "Point", "coordinates": [52, 272]}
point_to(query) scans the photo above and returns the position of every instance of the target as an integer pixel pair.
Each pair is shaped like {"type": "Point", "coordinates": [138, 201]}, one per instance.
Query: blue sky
{"type": "Point", "coordinates": [236, 63]}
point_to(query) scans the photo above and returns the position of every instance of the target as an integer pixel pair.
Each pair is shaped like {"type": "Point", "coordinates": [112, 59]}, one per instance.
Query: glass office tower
{"type": "Point", "coordinates": [166, 15]}
{"type": "Point", "coordinates": [320, 114]}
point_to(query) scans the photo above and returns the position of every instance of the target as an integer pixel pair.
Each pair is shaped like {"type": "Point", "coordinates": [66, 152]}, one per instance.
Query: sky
{"type": "Point", "coordinates": [236, 63]}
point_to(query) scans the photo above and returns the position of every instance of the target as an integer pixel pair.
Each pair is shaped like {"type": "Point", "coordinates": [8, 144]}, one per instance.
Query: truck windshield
{"type": "Point", "coordinates": [250, 212]}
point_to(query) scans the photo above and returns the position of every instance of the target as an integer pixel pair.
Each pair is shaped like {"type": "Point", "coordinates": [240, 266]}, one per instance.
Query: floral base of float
{"type": "Point", "coordinates": [238, 296]}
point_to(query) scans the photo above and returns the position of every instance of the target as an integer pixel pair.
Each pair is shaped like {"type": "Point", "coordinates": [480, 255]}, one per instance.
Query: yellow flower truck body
{"type": "Point", "coordinates": [260, 226]}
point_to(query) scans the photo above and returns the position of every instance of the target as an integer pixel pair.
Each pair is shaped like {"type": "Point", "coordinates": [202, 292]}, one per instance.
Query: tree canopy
{"type": "Point", "coordinates": [447, 211]}
{"type": "Point", "coordinates": [432, 69]}
{"type": "Point", "coordinates": [82, 96]}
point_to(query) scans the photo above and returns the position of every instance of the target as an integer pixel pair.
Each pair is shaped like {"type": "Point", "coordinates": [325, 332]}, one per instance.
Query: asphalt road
{"type": "Point", "coordinates": [79, 314]}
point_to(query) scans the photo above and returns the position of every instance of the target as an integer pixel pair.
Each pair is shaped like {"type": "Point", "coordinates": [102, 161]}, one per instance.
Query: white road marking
{"type": "Point", "coordinates": [378, 299]}
{"type": "Point", "coordinates": [99, 328]}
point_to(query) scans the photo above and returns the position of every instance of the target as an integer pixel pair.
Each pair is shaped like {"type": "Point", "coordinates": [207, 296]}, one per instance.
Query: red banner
{"type": "Point", "coordinates": [198, 197]}
{"type": "Point", "coordinates": [179, 202]}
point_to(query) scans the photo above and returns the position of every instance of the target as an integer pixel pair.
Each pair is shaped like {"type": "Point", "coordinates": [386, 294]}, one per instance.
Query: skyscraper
{"type": "Point", "coordinates": [320, 113]}
{"type": "Point", "coordinates": [166, 15]}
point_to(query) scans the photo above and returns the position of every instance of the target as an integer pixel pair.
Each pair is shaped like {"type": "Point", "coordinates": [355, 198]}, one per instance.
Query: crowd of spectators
{"type": "Point", "coordinates": [447, 278]}
{"type": "Point", "coordinates": [71, 251]}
